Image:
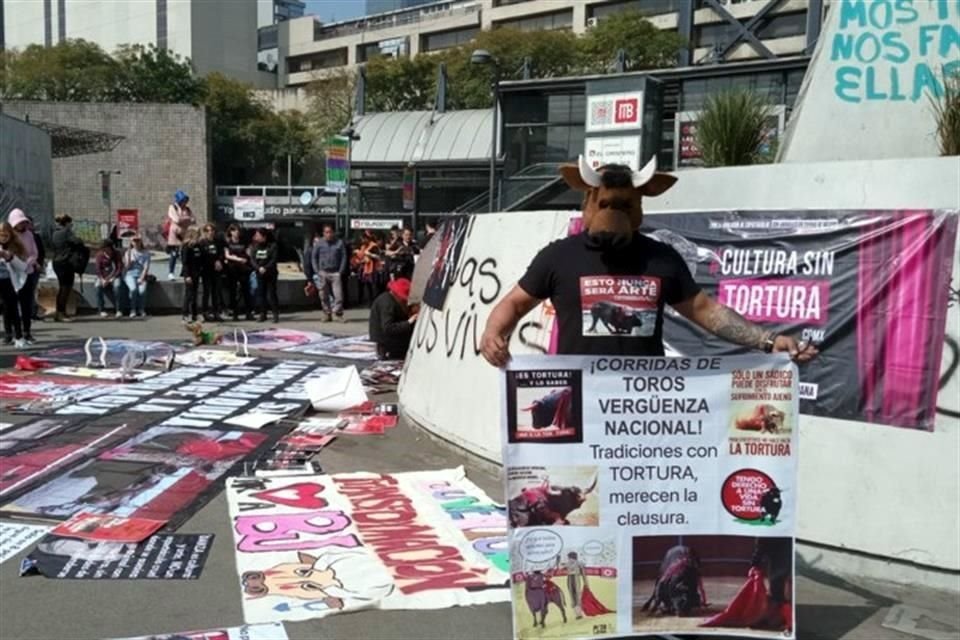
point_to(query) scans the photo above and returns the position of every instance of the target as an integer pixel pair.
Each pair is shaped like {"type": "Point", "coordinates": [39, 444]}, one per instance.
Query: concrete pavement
{"type": "Point", "coordinates": [829, 607]}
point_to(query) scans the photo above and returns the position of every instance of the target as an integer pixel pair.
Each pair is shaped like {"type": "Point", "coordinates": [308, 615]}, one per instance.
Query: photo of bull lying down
{"type": "Point", "coordinates": [683, 583]}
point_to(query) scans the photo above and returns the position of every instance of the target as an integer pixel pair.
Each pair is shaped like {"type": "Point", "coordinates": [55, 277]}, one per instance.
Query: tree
{"type": "Point", "coordinates": [646, 46]}
{"type": "Point", "coordinates": [550, 54]}
{"type": "Point", "coordinates": [330, 102]}
{"type": "Point", "coordinates": [401, 84]}
{"type": "Point", "coordinates": [72, 70]}
{"type": "Point", "coordinates": [732, 128]}
{"type": "Point", "coordinates": [149, 74]}
{"type": "Point", "coordinates": [234, 116]}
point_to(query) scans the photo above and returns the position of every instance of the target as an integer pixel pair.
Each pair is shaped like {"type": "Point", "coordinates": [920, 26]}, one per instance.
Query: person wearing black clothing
{"type": "Point", "coordinates": [213, 250]}
{"type": "Point", "coordinates": [238, 268]}
{"type": "Point", "coordinates": [609, 284]}
{"type": "Point", "coordinates": [265, 262]}
{"type": "Point", "coordinates": [68, 252]}
{"type": "Point", "coordinates": [191, 260]}
{"type": "Point", "coordinates": [401, 255]}
{"type": "Point", "coordinates": [391, 321]}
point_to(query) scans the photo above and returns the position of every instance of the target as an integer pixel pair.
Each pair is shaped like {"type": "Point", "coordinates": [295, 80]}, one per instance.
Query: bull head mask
{"type": "Point", "coordinates": [612, 208]}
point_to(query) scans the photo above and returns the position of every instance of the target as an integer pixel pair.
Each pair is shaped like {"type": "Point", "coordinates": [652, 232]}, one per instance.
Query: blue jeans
{"type": "Point", "coordinates": [138, 291]}
{"type": "Point", "coordinates": [101, 290]}
{"type": "Point", "coordinates": [173, 253]}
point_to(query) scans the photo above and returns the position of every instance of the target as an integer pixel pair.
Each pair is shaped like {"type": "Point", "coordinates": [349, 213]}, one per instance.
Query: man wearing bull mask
{"type": "Point", "coordinates": [611, 255]}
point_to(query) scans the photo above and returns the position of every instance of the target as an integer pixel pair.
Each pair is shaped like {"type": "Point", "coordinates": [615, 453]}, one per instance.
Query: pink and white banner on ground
{"type": "Point", "coordinates": [308, 546]}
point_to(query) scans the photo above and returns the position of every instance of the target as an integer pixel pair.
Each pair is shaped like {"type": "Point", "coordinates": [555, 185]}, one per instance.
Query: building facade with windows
{"type": "Point", "coordinates": [717, 30]}
{"type": "Point", "coordinates": [217, 35]}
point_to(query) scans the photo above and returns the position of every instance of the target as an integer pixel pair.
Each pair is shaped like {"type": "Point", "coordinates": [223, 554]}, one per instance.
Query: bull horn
{"type": "Point", "coordinates": [587, 173]}
{"type": "Point", "coordinates": [592, 486]}
{"type": "Point", "coordinates": [644, 176]}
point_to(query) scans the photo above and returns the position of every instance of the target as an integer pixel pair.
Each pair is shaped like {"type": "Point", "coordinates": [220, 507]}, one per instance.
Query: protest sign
{"type": "Point", "coordinates": [451, 236]}
{"type": "Point", "coordinates": [246, 632]}
{"type": "Point", "coordinates": [352, 348]}
{"type": "Point", "coordinates": [17, 536]}
{"type": "Point", "coordinates": [657, 498]}
{"type": "Point", "coordinates": [161, 557]}
{"type": "Point", "coordinates": [310, 546]}
{"type": "Point", "coordinates": [869, 288]}
{"type": "Point", "coordinates": [90, 526]}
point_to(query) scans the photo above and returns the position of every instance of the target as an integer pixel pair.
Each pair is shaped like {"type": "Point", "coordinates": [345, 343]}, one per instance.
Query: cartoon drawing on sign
{"type": "Point", "coordinates": [544, 406]}
{"type": "Point", "coordinates": [691, 582]}
{"type": "Point", "coordinates": [565, 571]}
{"type": "Point", "coordinates": [541, 496]}
{"type": "Point", "coordinates": [335, 578]}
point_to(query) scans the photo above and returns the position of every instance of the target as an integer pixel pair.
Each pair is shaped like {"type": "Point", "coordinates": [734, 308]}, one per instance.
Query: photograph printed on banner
{"type": "Point", "coordinates": [157, 474]}
{"type": "Point", "coordinates": [39, 448]}
{"type": "Point", "coordinates": [619, 305]}
{"type": "Point", "coordinates": [564, 582]}
{"type": "Point", "coordinates": [736, 585]}
{"type": "Point", "coordinates": [762, 421]}
{"type": "Point", "coordinates": [246, 632]}
{"type": "Point", "coordinates": [545, 406]}
{"type": "Point", "coordinates": [556, 495]}
{"type": "Point", "coordinates": [443, 271]}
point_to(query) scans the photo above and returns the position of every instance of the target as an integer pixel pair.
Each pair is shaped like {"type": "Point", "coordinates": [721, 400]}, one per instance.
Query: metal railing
{"type": "Point", "coordinates": [392, 20]}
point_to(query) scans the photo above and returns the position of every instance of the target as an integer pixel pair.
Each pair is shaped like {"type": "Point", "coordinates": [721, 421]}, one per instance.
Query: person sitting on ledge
{"type": "Point", "coordinates": [392, 320]}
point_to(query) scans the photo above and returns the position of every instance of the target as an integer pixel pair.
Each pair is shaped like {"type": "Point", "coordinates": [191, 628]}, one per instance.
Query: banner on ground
{"type": "Point", "coordinates": [17, 536]}
{"type": "Point", "coordinates": [245, 632]}
{"type": "Point", "coordinates": [351, 348]}
{"type": "Point", "coordinates": [161, 557]}
{"type": "Point", "coordinates": [869, 288]}
{"type": "Point", "coordinates": [311, 546]}
{"type": "Point", "coordinates": [651, 495]}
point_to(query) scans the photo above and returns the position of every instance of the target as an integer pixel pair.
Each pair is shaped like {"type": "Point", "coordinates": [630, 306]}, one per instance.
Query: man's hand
{"type": "Point", "coordinates": [799, 351]}
{"type": "Point", "coordinates": [188, 280]}
{"type": "Point", "coordinates": [495, 349]}
{"type": "Point", "coordinates": [218, 265]}
{"type": "Point", "coordinates": [413, 318]}
{"type": "Point", "coordinates": [261, 270]}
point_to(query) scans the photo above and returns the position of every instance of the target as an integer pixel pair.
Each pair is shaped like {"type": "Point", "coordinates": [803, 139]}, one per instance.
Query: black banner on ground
{"type": "Point", "coordinates": [161, 557]}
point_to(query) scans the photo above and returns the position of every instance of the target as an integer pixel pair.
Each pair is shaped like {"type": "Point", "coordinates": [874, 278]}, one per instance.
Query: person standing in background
{"type": "Point", "coordinates": [13, 275]}
{"type": "Point", "coordinates": [265, 262]}
{"type": "Point", "coordinates": [212, 268]}
{"type": "Point", "coordinates": [33, 247]}
{"type": "Point", "coordinates": [70, 257]}
{"type": "Point", "coordinates": [238, 268]}
{"type": "Point", "coordinates": [191, 254]}
{"type": "Point", "coordinates": [109, 270]}
{"type": "Point", "coordinates": [329, 261]}
{"type": "Point", "coordinates": [136, 264]}
{"type": "Point", "coordinates": [430, 231]}
{"type": "Point", "coordinates": [179, 219]}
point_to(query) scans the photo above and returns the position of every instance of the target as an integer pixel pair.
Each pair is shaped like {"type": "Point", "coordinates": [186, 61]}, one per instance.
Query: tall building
{"type": "Point", "coordinates": [382, 6]}
{"type": "Point", "coordinates": [776, 28]}
{"type": "Point", "coordinates": [217, 35]}
{"type": "Point", "coordinates": [275, 11]}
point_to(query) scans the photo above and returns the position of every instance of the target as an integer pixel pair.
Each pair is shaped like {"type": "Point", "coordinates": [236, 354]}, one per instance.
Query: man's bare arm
{"type": "Point", "coordinates": [501, 323]}
{"type": "Point", "coordinates": [726, 323]}
{"type": "Point", "coordinates": [723, 321]}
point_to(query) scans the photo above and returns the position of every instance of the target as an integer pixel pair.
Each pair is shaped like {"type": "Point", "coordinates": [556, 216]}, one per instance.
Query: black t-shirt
{"type": "Point", "coordinates": [609, 303]}
{"type": "Point", "coordinates": [212, 252]}
{"type": "Point", "coordinates": [239, 250]}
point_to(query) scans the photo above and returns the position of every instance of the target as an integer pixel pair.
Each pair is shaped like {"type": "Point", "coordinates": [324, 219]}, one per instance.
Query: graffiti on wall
{"type": "Point", "coordinates": [894, 50]}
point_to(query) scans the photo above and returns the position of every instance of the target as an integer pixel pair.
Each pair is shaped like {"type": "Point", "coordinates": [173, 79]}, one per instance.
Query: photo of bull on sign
{"type": "Point", "coordinates": [764, 418]}
{"type": "Point", "coordinates": [550, 410]}
{"type": "Point", "coordinates": [612, 262]}
{"type": "Point", "coordinates": [553, 496]}
{"type": "Point", "coordinates": [335, 579]}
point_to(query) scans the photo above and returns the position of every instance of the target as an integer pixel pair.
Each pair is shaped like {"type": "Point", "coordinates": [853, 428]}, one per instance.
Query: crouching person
{"type": "Point", "coordinates": [392, 320]}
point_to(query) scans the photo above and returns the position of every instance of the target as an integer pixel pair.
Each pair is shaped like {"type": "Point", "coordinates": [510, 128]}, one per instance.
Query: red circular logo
{"type": "Point", "coordinates": [742, 492]}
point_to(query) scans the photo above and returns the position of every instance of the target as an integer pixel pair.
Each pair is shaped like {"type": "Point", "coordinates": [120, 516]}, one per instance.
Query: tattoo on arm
{"type": "Point", "coordinates": [731, 326]}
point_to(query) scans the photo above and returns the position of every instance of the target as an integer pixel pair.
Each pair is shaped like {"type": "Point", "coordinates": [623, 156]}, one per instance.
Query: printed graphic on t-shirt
{"type": "Point", "coordinates": [619, 305]}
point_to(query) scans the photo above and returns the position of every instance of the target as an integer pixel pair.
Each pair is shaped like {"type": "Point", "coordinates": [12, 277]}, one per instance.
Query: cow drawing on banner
{"type": "Point", "coordinates": [336, 579]}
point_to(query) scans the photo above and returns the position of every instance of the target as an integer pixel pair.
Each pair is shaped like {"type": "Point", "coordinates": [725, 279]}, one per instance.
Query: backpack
{"type": "Point", "coordinates": [167, 223]}
{"type": "Point", "coordinates": [79, 258]}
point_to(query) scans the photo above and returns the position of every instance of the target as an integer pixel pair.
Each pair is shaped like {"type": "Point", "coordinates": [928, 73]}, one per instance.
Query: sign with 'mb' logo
{"type": "Point", "coordinates": [614, 112]}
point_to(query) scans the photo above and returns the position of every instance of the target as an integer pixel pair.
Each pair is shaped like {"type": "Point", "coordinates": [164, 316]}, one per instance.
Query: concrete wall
{"type": "Point", "coordinates": [164, 149]}
{"type": "Point", "coordinates": [867, 93]}
{"type": "Point", "coordinates": [223, 38]}
{"type": "Point", "coordinates": [874, 489]}
{"type": "Point", "coordinates": [26, 171]}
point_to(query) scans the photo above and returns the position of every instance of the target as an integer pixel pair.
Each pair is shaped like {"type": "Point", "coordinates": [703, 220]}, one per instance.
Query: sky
{"type": "Point", "coordinates": [335, 10]}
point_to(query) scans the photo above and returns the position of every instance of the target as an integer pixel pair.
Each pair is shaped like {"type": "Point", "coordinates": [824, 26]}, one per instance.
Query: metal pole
{"type": "Point", "coordinates": [416, 203]}
{"type": "Point", "coordinates": [346, 218]}
{"type": "Point", "coordinates": [493, 139]}
{"type": "Point", "coordinates": [289, 180]}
